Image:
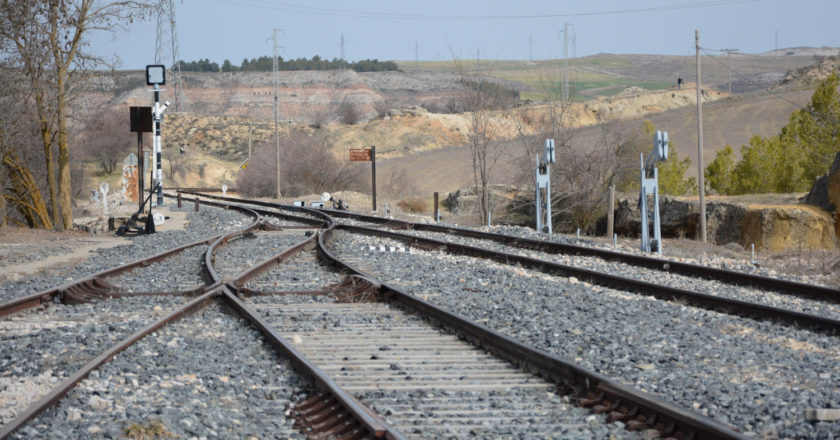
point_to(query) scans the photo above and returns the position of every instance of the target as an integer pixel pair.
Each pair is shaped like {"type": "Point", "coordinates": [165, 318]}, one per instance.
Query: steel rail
{"type": "Point", "coordinates": [711, 302]}
{"type": "Point", "coordinates": [313, 212]}
{"type": "Point", "coordinates": [242, 278]}
{"type": "Point", "coordinates": [67, 384]}
{"type": "Point", "coordinates": [372, 422]}
{"type": "Point", "coordinates": [695, 270]}
{"type": "Point", "coordinates": [646, 410]}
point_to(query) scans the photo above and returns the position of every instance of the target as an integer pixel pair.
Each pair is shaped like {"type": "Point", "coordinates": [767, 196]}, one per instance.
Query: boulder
{"type": "Point", "coordinates": [789, 227]}
{"type": "Point", "coordinates": [834, 192]}
{"type": "Point", "coordinates": [770, 227]}
{"type": "Point", "coordinates": [826, 190]}
{"type": "Point", "coordinates": [677, 217]}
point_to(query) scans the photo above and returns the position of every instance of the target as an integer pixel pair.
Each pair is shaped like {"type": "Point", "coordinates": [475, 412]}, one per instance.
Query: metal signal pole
{"type": "Point", "coordinates": [700, 177]}
{"type": "Point", "coordinates": [273, 37]}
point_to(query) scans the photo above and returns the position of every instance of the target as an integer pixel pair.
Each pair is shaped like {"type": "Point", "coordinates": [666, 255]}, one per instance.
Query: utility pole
{"type": "Point", "coordinates": [273, 37]}
{"type": "Point", "coordinates": [700, 177]}
{"type": "Point", "coordinates": [250, 139]}
{"type": "Point", "coordinates": [729, 67]}
{"type": "Point", "coordinates": [416, 52]}
{"type": "Point", "coordinates": [531, 48]}
{"type": "Point", "coordinates": [342, 50]}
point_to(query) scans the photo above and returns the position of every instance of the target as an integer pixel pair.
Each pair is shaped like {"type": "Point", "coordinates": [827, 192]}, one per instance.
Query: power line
{"type": "Point", "coordinates": [166, 29]}
{"type": "Point", "coordinates": [816, 116]}
{"type": "Point", "coordinates": [301, 9]}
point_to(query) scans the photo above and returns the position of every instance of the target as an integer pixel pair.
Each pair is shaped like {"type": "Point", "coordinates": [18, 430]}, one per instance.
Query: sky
{"type": "Point", "coordinates": [440, 30]}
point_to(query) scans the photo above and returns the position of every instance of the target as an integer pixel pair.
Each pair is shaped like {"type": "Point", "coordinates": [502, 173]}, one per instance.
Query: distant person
{"type": "Point", "coordinates": [679, 83]}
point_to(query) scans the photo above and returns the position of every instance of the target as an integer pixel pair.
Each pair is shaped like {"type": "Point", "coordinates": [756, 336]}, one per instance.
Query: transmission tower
{"type": "Point", "coordinates": [166, 46]}
{"type": "Point", "coordinates": [568, 34]}
{"type": "Point", "coordinates": [343, 60]}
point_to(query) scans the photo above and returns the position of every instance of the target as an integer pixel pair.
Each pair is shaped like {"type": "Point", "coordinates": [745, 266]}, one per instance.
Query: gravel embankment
{"type": "Point", "coordinates": [717, 288]}
{"type": "Point", "coordinates": [203, 224]}
{"type": "Point", "coordinates": [39, 348]}
{"type": "Point", "coordinates": [755, 375]}
{"type": "Point", "coordinates": [209, 375]}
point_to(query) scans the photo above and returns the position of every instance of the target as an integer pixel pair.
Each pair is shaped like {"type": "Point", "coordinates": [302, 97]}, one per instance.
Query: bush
{"type": "Point", "coordinates": [308, 166]}
{"type": "Point", "coordinates": [349, 114]}
{"type": "Point", "coordinates": [413, 205]}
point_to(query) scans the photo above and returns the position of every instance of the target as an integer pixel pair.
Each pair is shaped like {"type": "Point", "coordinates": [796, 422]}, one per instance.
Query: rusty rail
{"type": "Point", "coordinates": [695, 270]}
{"type": "Point", "coordinates": [372, 422]}
{"type": "Point", "coordinates": [66, 385]}
{"type": "Point", "coordinates": [712, 302]}
{"type": "Point", "coordinates": [647, 411]}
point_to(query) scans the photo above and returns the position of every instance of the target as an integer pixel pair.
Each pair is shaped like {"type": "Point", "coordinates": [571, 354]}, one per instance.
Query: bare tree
{"type": "Point", "coordinates": [482, 101]}
{"type": "Point", "coordinates": [44, 40]}
{"type": "Point", "coordinates": [308, 166]}
{"type": "Point", "coordinates": [20, 179]}
{"type": "Point", "coordinates": [105, 140]}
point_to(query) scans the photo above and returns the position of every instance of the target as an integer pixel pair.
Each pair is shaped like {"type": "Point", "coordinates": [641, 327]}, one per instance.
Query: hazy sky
{"type": "Point", "coordinates": [389, 29]}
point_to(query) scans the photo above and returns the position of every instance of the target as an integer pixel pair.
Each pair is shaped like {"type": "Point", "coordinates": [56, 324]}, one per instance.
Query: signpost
{"type": "Point", "coordinates": [365, 155]}
{"type": "Point", "coordinates": [141, 122]}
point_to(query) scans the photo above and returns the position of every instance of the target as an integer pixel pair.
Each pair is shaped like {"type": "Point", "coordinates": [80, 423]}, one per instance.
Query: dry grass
{"type": "Point", "coordinates": [413, 205]}
{"type": "Point", "coordinates": [147, 431]}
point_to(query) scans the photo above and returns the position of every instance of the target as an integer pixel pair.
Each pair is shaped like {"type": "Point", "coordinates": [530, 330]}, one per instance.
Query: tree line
{"type": "Point", "coordinates": [265, 64]}
{"type": "Point", "coordinates": [790, 161]}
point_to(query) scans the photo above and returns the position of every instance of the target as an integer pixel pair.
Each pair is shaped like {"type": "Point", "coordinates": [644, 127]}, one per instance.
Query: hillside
{"type": "Point", "coordinates": [625, 89]}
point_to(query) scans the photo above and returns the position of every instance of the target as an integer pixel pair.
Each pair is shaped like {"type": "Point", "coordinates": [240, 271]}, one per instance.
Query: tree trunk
{"type": "Point", "coordinates": [64, 184]}
{"type": "Point", "coordinates": [49, 161]}
{"type": "Point", "coordinates": [27, 196]}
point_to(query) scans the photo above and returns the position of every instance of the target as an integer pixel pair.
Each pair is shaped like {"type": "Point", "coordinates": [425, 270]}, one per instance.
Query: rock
{"type": "Point", "coordinates": [770, 227]}
{"type": "Point", "coordinates": [818, 196]}
{"type": "Point", "coordinates": [99, 403]}
{"type": "Point", "coordinates": [789, 227]}
{"type": "Point", "coordinates": [73, 415]}
{"type": "Point", "coordinates": [834, 192]}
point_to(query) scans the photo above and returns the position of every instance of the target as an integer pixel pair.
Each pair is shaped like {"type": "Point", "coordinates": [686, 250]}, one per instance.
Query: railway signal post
{"type": "Point", "coordinates": [543, 179]}
{"type": "Point", "coordinates": [156, 77]}
{"type": "Point", "coordinates": [650, 186]}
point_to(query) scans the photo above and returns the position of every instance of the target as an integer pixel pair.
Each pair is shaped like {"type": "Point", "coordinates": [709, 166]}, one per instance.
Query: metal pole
{"type": "Point", "coordinates": [700, 177]}
{"type": "Point", "coordinates": [250, 139]}
{"type": "Point", "coordinates": [140, 170]}
{"type": "Point", "coordinates": [158, 180]}
{"type": "Point", "coordinates": [437, 213]}
{"type": "Point", "coordinates": [729, 71]}
{"type": "Point", "coordinates": [276, 118]}
{"type": "Point", "coordinates": [373, 173]}
{"type": "Point", "coordinates": [611, 212]}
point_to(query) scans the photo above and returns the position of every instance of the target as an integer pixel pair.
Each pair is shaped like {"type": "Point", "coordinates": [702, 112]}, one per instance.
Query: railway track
{"type": "Point", "coordinates": [750, 349]}
{"type": "Point", "coordinates": [314, 319]}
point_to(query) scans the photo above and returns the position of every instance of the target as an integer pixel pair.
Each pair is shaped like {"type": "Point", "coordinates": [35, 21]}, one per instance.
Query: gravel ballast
{"type": "Point", "coordinates": [711, 287]}
{"type": "Point", "coordinates": [39, 348]}
{"type": "Point", "coordinates": [206, 223]}
{"type": "Point", "coordinates": [755, 375]}
{"type": "Point", "coordinates": [209, 375]}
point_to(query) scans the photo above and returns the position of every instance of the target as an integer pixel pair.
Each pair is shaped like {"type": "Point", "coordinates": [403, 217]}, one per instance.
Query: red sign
{"type": "Point", "coordinates": [360, 155]}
